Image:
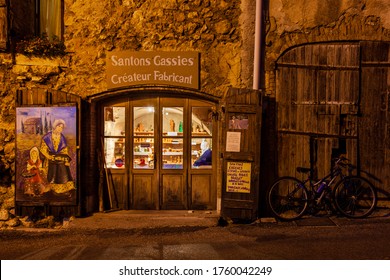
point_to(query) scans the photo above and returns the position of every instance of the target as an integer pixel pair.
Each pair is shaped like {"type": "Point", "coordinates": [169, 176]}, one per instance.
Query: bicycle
{"type": "Point", "coordinates": [353, 196]}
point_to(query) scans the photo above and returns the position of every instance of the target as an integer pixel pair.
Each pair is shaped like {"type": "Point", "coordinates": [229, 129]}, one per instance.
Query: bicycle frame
{"type": "Point", "coordinates": [290, 198]}
{"type": "Point", "coordinates": [329, 180]}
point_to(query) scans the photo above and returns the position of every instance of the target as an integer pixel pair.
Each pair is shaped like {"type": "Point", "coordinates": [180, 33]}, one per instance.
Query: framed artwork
{"type": "Point", "coordinates": [239, 122]}
{"type": "Point", "coordinates": [46, 157]}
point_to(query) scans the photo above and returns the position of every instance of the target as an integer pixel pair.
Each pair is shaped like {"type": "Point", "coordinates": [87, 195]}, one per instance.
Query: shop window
{"type": "Point", "coordinates": [34, 18]}
{"type": "Point", "coordinates": [172, 141]}
{"type": "Point", "coordinates": [114, 136]}
{"type": "Point", "coordinates": [201, 140]}
{"type": "Point", "coordinates": [143, 146]}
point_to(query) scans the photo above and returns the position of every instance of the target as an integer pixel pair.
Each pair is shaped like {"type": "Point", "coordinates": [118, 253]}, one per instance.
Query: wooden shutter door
{"type": "Point", "coordinates": [317, 97]}
{"type": "Point", "coordinates": [241, 166]}
{"type": "Point", "coordinates": [374, 126]}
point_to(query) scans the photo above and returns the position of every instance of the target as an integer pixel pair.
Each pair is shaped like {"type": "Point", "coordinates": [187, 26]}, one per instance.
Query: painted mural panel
{"type": "Point", "coordinates": [46, 155]}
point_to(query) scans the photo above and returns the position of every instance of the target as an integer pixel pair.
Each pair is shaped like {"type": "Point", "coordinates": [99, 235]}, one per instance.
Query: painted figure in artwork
{"type": "Point", "coordinates": [54, 148]}
{"type": "Point", "coordinates": [34, 184]}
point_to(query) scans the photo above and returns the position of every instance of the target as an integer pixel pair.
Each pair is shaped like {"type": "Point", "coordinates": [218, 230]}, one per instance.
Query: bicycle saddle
{"type": "Point", "coordinates": [303, 169]}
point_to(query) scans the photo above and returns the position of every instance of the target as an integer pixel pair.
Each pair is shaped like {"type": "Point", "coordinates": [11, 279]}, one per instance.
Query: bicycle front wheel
{"type": "Point", "coordinates": [355, 197]}
{"type": "Point", "coordinates": [287, 198]}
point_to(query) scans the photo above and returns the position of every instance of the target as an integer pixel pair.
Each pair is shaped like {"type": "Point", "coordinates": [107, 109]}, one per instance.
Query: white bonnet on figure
{"type": "Point", "coordinates": [36, 151]}
{"type": "Point", "coordinates": [204, 145]}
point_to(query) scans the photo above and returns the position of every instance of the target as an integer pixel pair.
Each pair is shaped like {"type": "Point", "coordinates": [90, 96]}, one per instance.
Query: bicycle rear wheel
{"type": "Point", "coordinates": [287, 198]}
{"type": "Point", "coordinates": [355, 197]}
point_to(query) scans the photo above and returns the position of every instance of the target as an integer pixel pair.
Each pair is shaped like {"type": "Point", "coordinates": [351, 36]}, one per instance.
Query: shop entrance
{"type": "Point", "coordinates": [159, 153]}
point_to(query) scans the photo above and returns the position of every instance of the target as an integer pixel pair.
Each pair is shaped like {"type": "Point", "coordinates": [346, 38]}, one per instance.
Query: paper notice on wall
{"type": "Point", "coordinates": [238, 177]}
{"type": "Point", "coordinates": [233, 141]}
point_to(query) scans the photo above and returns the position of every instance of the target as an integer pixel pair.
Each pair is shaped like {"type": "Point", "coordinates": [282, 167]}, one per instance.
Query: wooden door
{"type": "Point", "coordinates": [173, 162]}
{"type": "Point", "coordinates": [144, 166]}
{"type": "Point", "coordinates": [241, 155]}
{"type": "Point", "coordinates": [318, 100]}
{"type": "Point", "coordinates": [112, 145]}
{"type": "Point", "coordinates": [155, 154]}
{"type": "Point", "coordinates": [374, 125]}
{"type": "Point", "coordinates": [186, 161]}
{"type": "Point", "coordinates": [202, 154]}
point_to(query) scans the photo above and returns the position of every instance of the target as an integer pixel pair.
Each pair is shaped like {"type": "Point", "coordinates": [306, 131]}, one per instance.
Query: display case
{"type": "Point", "coordinates": [114, 136]}
{"type": "Point", "coordinates": [172, 138]}
{"type": "Point", "coordinates": [143, 150]}
{"type": "Point", "coordinates": [143, 138]}
{"type": "Point", "coordinates": [201, 155]}
{"type": "Point", "coordinates": [201, 138]}
{"type": "Point", "coordinates": [172, 153]}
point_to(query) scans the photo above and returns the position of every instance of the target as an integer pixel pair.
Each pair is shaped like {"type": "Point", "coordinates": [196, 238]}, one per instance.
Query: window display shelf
{"type": "Point", "coordinates": [143, 133]}
{"type": "Point", "coordinates": [173, 134]}
{"type": "Point", "coordinates": [200, 134]}
{"type": "Point", "coordinates": [142, 166]}
{"type": "Point", "coordinates": [143, 141]}
{"type": "Point", "coordinates": [173, 166]}
{"type": "Point", "coordinates": [172, 153]}
{"type": "Point", "coordinates": [202, 167]}
{"type": "Point", "coordinates": [142, 153]}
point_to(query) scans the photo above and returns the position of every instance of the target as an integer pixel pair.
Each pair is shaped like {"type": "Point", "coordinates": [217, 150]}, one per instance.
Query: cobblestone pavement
{"type": "Point", "coordinates": [165, 235]}
{"type": "Point", "coordinates": [152, 219]}
{"type": "Point", "coordinates": [137, 219]}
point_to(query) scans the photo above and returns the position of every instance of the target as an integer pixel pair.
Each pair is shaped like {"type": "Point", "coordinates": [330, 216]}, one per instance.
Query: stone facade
{"type": "Point", "coordinates": [221, 30]}
{"type": "Point", "coordinates": [93, 28]}
{"type": "Point", "coordinates": [208, 26]}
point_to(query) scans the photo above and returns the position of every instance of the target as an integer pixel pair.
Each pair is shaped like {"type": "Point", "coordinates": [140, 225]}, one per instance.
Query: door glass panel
{"type": "Point", "coordinates": [114, 121]}
{"type": "Point", "coordinates": [202, 121]}
{"type": "Point", "coordinates": [172, 153]}
{"type": "Point", "coordinates": [114, 136]}
{"type": "Point", "coordinates": [172, 141]}
{"type": "Point", "coordinates": [201, 153]}
{"type": "Point", "coordinates": [172, 121]}
{"type": "Point", "coordinates": [143, 143]}
{"type": "Point", "coordinates": [201, 140]}
{"type": "Point", "coordinates": [114, 150]}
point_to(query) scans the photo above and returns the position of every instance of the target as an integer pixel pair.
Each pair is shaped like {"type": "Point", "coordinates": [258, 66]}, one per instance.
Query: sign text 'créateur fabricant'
{"type": "Point", "coordinates": [127, 68]}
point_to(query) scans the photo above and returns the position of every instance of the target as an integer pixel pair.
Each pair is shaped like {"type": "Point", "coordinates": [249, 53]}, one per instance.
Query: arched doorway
{"type": "Point", "coordinates": [158, 152]}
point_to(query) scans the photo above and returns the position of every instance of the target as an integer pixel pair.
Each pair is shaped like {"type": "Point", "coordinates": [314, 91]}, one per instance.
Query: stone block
{"type": "Point", "coordinates": [4, 215]}
{"type": "Point", "coordinates": [13, 222]}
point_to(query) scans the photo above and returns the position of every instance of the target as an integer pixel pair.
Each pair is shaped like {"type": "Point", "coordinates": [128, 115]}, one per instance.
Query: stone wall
{"type": "Point", "coordinates": [92, 28]}
{"type": "Point", "coordinates": [95, 27]}
{"type": "Point", "coordinates": [7, 141]}
{"type": "Point", "coordinates": [208, 26]}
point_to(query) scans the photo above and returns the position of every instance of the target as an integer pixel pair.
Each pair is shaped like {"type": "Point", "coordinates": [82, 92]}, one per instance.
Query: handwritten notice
{"type": "Point", "coordinates": [233, 141]}
{"type": "Point", "coordinates": [238, 177]}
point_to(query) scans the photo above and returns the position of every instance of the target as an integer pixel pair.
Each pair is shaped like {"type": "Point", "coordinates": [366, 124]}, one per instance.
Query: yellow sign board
{"type": "Point", "coordinates": [128, 68]}
{"type": "Point", "coordinates": [238, 177]}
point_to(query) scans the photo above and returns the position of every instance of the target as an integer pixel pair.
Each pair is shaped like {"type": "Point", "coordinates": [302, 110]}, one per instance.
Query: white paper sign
{"type": "Point", "coordinates": [233, 141]}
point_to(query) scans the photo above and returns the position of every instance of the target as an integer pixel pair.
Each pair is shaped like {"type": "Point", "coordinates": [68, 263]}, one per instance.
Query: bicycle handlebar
{"type": "Point", "coordinates": [343, 162]}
